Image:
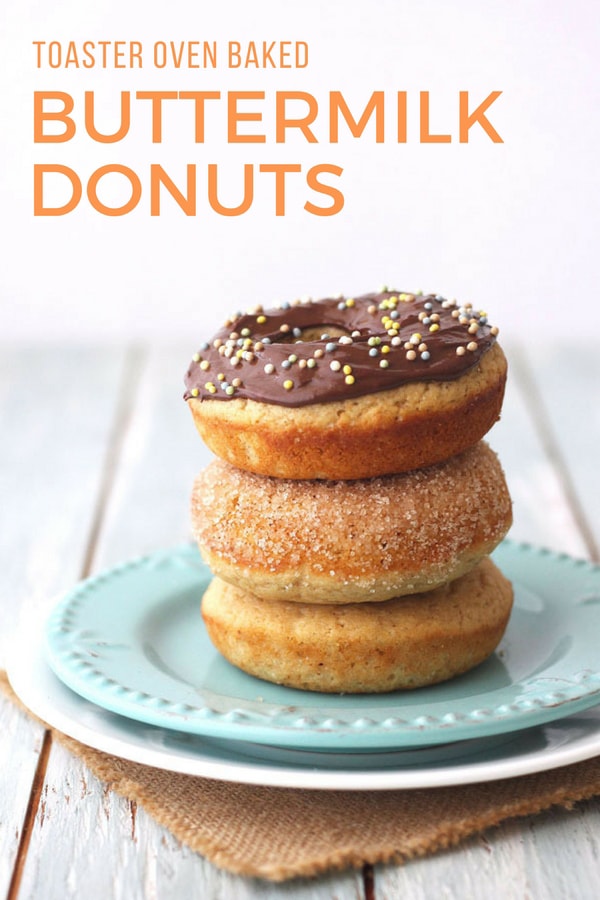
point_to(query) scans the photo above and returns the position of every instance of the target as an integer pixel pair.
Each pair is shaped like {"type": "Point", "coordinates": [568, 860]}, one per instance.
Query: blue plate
{"type": "Point", "coordinates": [132, 641]}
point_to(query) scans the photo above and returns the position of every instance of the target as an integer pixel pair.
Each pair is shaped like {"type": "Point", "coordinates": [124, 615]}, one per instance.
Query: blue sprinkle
{"type": "Point", "coordinates": [373, 351]}
{"type": "Point", "coordinates": [285, 305]}
{"type": "Point", "coordinates": [330, 347]}
{"type": "Point", "coordinates": [266, 340]}
{"type": "Point", "coordinates": [394, 314]}
{"type": "Point", "coordinates": [286, 364]}
{"type": "Point", "coordinates": [205, 346]}
{"type": "Point", "coordinates": [224, 385]}
{"type": "Point", "coordinates": [425, 355]}
{"type": "Point", "coordinates": [439, 298]}
{"type": "Point", "coordinates": [297, 332]}
{"type": "Point", "coordinates": [483, 320]}
{"type": "Point", "coordinates": [426, 320]}
{"type": "Point", "coordinates": [342, 305]}
{"type": "Point", "coordinates": [428, 305]}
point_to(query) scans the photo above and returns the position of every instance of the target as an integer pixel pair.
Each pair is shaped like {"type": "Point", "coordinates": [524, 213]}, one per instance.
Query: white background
{"type": "Point", "coordinates": [512, 227]}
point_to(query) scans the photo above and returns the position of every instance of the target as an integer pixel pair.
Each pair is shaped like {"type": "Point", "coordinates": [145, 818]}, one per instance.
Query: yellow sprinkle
{"type": "Point", "coordinates": [261, 320]}
{"type": "Point", "coordinates": [347, 370]}
{"type": "Point", "coordinates": [195, 392]}
{"type": "Point", "coordinates": [196, 357]}
{"type": "Point", "coordinates": [350, 303]}
{"type": "Point", "coordinates": [220, 377]}
{"type": "Point", "coordinates": [288, 385]}
{"type": "Point", "coordinates": [416, 338]}
{"type": "Point", "coordinates": [349, 379]}
{"type": "Point", "coordinates": [230, 390]}
{"type": "Point", "coordinates": [210, 387]}
{"type": "Point", "coordinates": [205, 365]}
{"type": "Point", "coordinates": [239, 353]}
{"type": "Point", "coordinates": [434, 327]}
{"type": "Point", "coordinates": [385, 348]}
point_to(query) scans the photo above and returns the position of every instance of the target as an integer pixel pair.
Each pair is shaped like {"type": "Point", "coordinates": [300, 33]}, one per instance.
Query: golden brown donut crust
{"type": "Point", "coordinates": [401, 643]}
{"type": "Point", "coordinates": [408, 427]}
{"type": "Point", "coordinates": [350, 541]}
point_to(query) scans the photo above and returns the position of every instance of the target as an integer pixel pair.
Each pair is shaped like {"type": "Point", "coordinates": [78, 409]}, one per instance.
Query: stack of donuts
{"type": "Point", "coordinates": [350, 512]}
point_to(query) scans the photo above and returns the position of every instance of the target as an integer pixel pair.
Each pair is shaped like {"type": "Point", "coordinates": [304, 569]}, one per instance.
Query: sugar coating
{"type": "Point", "coordinates": [351, 541]}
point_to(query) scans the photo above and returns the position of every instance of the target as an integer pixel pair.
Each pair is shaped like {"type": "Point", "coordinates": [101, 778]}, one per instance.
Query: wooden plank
{"type": "Point", "coordinates": [55, 417]}
{"type": "Point", "coordinates": [85, 839]}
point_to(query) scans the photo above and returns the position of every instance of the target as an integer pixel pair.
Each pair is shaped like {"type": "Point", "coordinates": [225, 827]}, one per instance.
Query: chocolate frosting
{"type": "Point", "coordinates": [364, 345]}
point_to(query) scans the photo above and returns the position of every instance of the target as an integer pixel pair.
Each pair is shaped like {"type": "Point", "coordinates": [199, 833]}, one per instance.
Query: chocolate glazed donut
{"type": "Point", "coordinates": [348, 387]}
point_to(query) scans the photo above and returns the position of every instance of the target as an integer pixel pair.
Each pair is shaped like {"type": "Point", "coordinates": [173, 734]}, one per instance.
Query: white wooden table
{"type": "Point", "coordinates": [97, 456]}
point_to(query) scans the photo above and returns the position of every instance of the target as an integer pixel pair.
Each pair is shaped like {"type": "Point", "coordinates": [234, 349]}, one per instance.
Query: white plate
{"type": "Point", "coordinates": [537, 749]}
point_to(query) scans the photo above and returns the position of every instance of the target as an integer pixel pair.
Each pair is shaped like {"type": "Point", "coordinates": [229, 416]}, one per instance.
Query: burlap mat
{"type": "Point", "coordinates": [280, 833]}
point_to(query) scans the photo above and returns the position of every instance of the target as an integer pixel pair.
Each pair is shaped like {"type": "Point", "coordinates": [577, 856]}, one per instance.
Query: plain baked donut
{"type": "Point", "coordinates": [350, 541]}
{"type": "Point", "coordinates": [348, 388]}
{"type": "Point", "coordinates": [401, 643]}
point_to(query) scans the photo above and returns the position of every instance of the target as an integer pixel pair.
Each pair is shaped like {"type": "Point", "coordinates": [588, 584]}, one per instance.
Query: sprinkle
{"type": "Point", "coordinates": [195, 392]}
{"type": "Point", "coordinates": [383, 363]}
{"type": "Point", "coordinates": [288, 385]}
{"type": "Point", "coordinates": [355, 334]}
{"type": "Point", "coordinates": [373, 351]}
{"type": "Point", "coordinates": [297, 332]}
{"type": "Point", "coordinates": [285, 305]}
{"type": "Point", "coordinates": [229, 390]}
{"type": "Point", "coordinates": [245, 332]}
{"type": "Point", "coordinates": [460, 351]}
{"type": "Point", "coordinates": [350, 303]}
{"type": "Point", "coordinates": [217, 343]}
{"type": "Point", "coordinates": [259, 346]}
{"type": "Point", "coordinates": [286, 364]}
{"type": "Point", "coordinates": [428, 305]}
{"type": "Point", "coordinates": [434, 327]}
{"type": "Point", "coordinates": [435, 317]}
{"type": "Point", "coordinates": [472, 346]}
{"type": "Point", "coordinates": [205, 345]}
{"type": "Point", "coordinates": [302, 363]}
{"type": "Point", "coordinates": [248, 356]}
{"type": "Point", "coordinates": [411, 355]}
{"type": "Point", "coordinates": [347, 370]}
{"type": "Point", "coordinates": [284, 328]}
{"type": "Point", "coordinates": [349, 379]}
{"type": "Point", "coordinates": [396, 341]}
{"type": "Point", "coordinates": [196, 357]}
{"type": "Point", "coordinates": [422, 347]}
{"type": "Point", "coordinates": [335, 365]}
{"type": "Point", "coordinates": [311, 363]}
{"type": "Point", "coordinates": [385, 348]}
{"type": "Point", "coordinates": [345, 339]}
{"type": "Point", "coordinates": [416, 338]}
{"type": "Point", "coordinates": [318, 353]}
{"type": "Point", "coordinates": [372, 309]}
{"type": "Point", "coordinates": [205, 365]}
{"type": "Point", "coordinates": [234, 361]}
{"type": "Point", "coordinates": [473, 328]}
{"type": "Point", "coordinates": [236, 382]}
{"type": "Point", "coordinates": [494, 330]}
{"type": "Point", "coordinates": [293, 358]}
{"type": "Point", "coordinates": [220, 377]}
{"type": "Point", "coordinates": [261, 320]}
{"type": "Point", "coordinates": [374, 341]}
{"type": "Point", "coordinates": [425, 355]}
{"type": "Point", "coordinates": [341, 305]}
{"type": "Point", "coordinates": [269, 369]}
{"type": "Point", "coordinates": [330, 347]}
{"type": "Point", "coordinates": [210, 387]}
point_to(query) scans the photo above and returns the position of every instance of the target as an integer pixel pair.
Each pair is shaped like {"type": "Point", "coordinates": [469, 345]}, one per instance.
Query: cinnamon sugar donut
{"type": "Point", "coordinates": [348, 388]}
{"type": "Point", "coordinates": [350, 541]}
{"type": "Point", "coordinates": [400, 643]}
